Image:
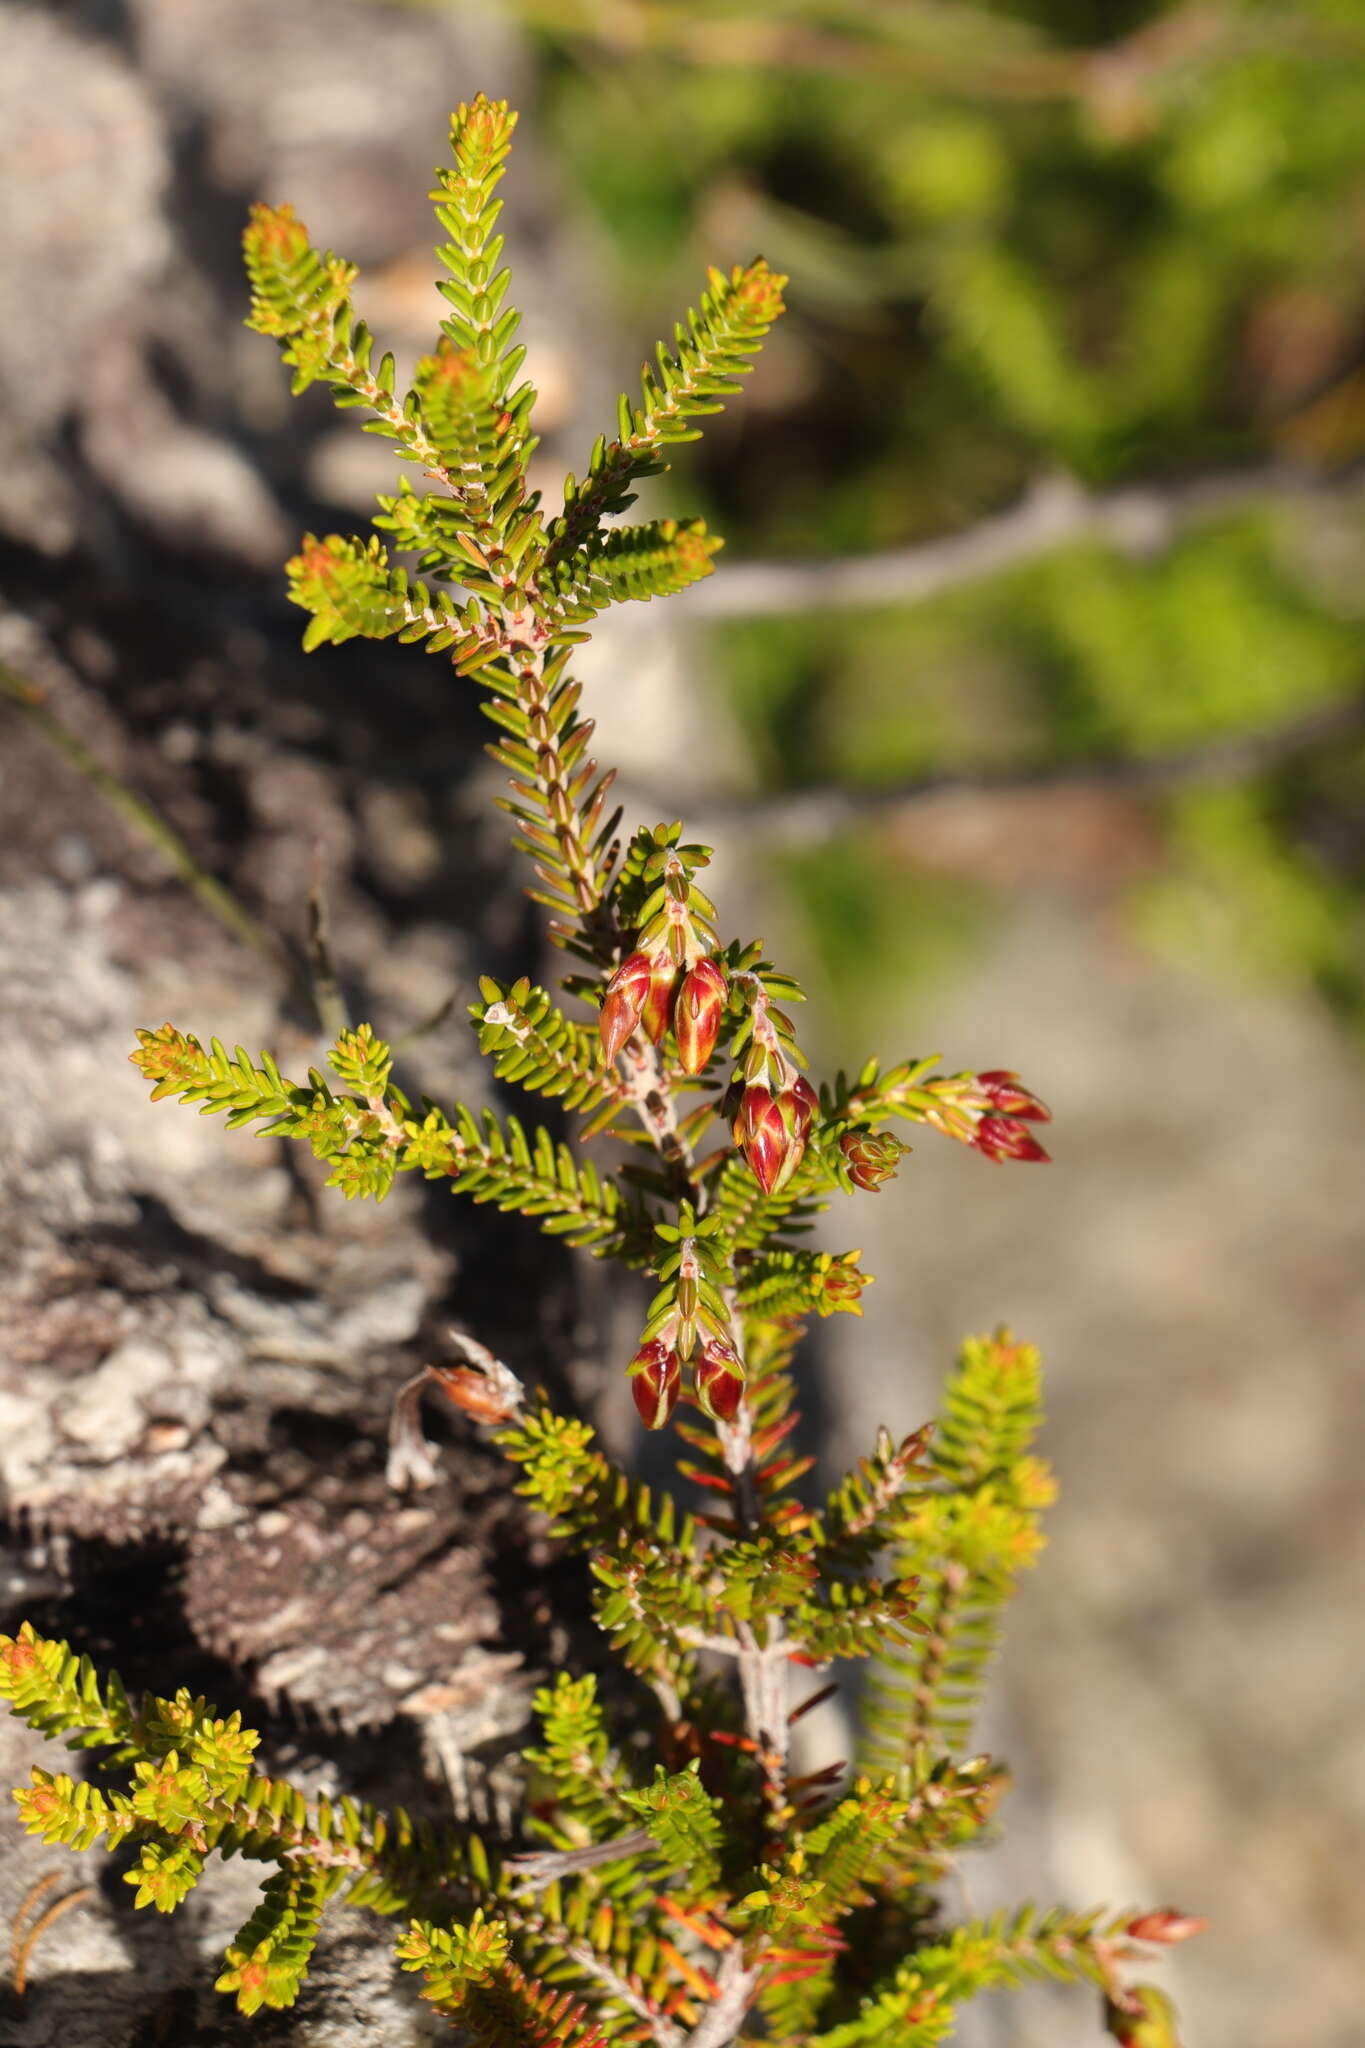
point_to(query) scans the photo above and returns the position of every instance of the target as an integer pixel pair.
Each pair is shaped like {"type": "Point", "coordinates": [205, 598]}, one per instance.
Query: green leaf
{"type": "Point", "coordinates": [531, 1042]}
{"type": "Point", "coordinates": [351, 591]}
{"type": "Point", "coordinates": [685, 1822]}
{"type": "Point", "coordinates": [165, 1874]}
{"type": "Point", "coordinates": [626, 562]}
{"type": "Point", "coordinates": [269, 1959]}
{"type": "Point", "coordinates": [711, 351]}
{"type": "Point", "coordinates": [966, 1534]}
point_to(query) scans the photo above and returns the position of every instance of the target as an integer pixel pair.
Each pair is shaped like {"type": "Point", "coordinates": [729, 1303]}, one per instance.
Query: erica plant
{"type": "Point", "coordinates": [669, 1881]}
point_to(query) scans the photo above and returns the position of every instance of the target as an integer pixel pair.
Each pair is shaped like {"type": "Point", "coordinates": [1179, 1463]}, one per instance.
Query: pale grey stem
{"type": "Point", "coordinates": [1138, 520]}
{"type": "Point", "coordinates": [661, 2030]}
{"type": "Point", "coordinates": [723, 2019]}
{"type": "Point", "coordinates": [808, 816]}
{"type": "Point", "coordinates": [762, 1669]}
{"type": "Point", "coordinates": [544, 1866]}
{"type": "Point", "coordinates": [649, 1094]}
{"type": "Point", "coordinates": [763, 1682]}
{"type": "Point", "coordinates": [736, 1438]}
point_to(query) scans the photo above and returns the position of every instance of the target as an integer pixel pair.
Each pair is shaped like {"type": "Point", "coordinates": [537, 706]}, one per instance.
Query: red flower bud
{"type": "Point", "coordinates": [476, 1392]}
{"type": "Point", "coordinates": [871, 1158]}
{"type": "Point", "coordinates": [763, 1135]}
{"type": "Point", "coordinates": [655, 1380]}
{"type": "Point", "coordinates": [624, 1002]}
{"type": "Point", "coordinates": [697, 1015]}
{"type": "Point", "coordinates": [1001, 1088]}
{"type": "Point", "coordinates": [719, 1380]}
{"type": "Point", "coordinates": [1166, 1925]}
{"type": "Point", "coordinates": [658, 1005]}
{"type": "Point", "coordinates": [1005, 1137]}
{"type": "Point", "coordinates": [802, 1105]}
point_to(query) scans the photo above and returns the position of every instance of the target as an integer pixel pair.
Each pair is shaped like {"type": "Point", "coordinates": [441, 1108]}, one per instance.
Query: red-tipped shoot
{"type": "Point", "coordinates": [1006, 1137]}
{"type": "Point", "coordinates": [1167, 1925]}
{"type": "Point", "coordinates": [1001, 1088]}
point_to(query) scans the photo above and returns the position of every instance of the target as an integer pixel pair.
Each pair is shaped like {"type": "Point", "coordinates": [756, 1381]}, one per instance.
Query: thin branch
{"type": "Point", "coordinates": [648, 1091]}
{"type": "Point", "coordinates": [1138, 520]}
{"type": "Point", "coordinates": [547, 1866]}
{"type": "Point", "coordinates": [146, 820]}
{"type": "Point", "coordinates": [807, 816]}
{"type": "Point", "coordinates": [949, 47]}
{"type": "Point", "coordinates": [661, 2029]}
{"type": "Point", "coordinates": [721, 2021]}
{"type": "Point", "coordinates": [24, 1951]}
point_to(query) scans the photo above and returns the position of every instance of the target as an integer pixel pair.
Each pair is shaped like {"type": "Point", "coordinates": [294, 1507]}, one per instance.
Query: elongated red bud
{"type": "Point", "coordinates": [762, 1134]}
{"type": "Point", "coordinates": [719, 1380]}
{"type": "Point", "coordinates": [697, 1014]}
{"type": "Point", "coordinates": [624, 1002]}
{"type": "Point", "coordinates": [1005, 1137]}
{"type": "Point", "coordinates": [802, 1105]}
{"type": "Point", "coordinates": [655, 1381]}
{"type": "Point", "coordinates": [1002, 1090]}
{"type": "Point", "coordinates": [658, 1005]}
{"type": "Point", "coordinates": [1166, 1925]}
{"type": "Point", "coordinates": [777, 1129]}
{"type": "Point", "coordinates": [478, 1394]}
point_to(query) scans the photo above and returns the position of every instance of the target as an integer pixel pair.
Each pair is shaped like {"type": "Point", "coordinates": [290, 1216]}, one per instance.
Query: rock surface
{"type": "Point", "coordinates": [200, 1349]}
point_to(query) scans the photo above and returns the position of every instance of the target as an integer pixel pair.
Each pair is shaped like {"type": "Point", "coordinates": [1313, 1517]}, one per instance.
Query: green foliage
{"type": "Point", "coordinates": [574, 1760]}
{"type": "Point", "coordinates": [684, 1823]}
{"type": "Point", "coordinates": [531, 1042]}
{"type": "Point", "coordinates": [919, 2006]}
{"type": "Point", "coordinates": [351, 591]}
{"type": "Point", "coordinates": [1028, 242]}
{"type": "Point", "coordinates": [165, 1874]}
{"type": "Point", "coordinates": [798, 1283]}
{"type": "Point", "coordinates": [631, 562]}
{"type": "Point", "coordinates": [268, 1961]}
{"type": "Point", "coordinates": [711, 351]}
{"type": "Point", "coordinates": [470, 1975]}
{"type": "Point", "coordinates": [682, 1876]}
{"type": "Point", "coordinates": [368, 1138]}
{"type": "Point", "coordinates": [964, 1535]}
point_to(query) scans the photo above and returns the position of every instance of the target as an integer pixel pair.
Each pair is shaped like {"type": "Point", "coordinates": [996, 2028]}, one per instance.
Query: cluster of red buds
{"type": "Point", "coordinates": [690, 1306]}
{"type": "Point", "coordinates": [655, 990]}
{"type": "Point", "coordinates": [839, 1282]}
{"type": "Point", "coordinates": [871, 1157]}
{"type": "Point", "coordinates": [990, 1111]}
{"type": "Point", "coordinates": [771, 1129]}
{"type": "Point", "coordinates": [1139, 2015]}
{"type": "Point", "coordinates": [1003, 1132]}
{"type": "Point", "coordinates": [656, 1380]}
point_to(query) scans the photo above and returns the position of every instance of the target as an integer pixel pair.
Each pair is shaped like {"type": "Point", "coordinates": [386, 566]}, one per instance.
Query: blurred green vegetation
{"type": "Point", "coordinates": [1116, 240]}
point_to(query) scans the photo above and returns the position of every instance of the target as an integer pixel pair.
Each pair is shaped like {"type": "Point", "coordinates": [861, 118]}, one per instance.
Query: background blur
{"type": "Point", "coordinates": [1066, 774]}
